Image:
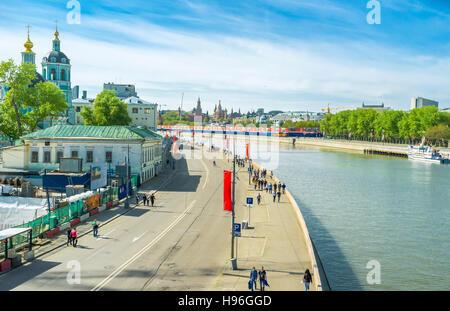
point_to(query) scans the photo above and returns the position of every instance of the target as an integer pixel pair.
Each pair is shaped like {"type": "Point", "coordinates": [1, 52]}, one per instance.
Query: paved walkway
{"type": "Point", "coordinates": [274, 240]}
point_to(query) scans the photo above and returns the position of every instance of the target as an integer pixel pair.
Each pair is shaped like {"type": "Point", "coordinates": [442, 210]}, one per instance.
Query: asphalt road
{"type": "Point", "coordinates": [180, 244]}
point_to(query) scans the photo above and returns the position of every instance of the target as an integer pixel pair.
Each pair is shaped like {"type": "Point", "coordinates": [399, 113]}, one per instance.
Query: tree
{"type": "Point", "coordinates": [438, 132]}
{"type": "Point", "coordinates": [108, 110]}
{"type": "Point", "coordinates": [288, 123]}
{"type": "Point", "coordinates": [46, 100]}
{"type": "Point", "coordinates": [17, 78]}
{"type": "Point", "coordinates": [26, 104]}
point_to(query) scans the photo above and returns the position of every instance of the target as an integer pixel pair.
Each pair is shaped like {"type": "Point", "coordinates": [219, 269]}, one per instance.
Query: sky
{"type": "Point", "coordinates": [278, 55]}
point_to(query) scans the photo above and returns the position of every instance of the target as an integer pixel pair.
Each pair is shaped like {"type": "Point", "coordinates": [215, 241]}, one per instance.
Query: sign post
{"type": "Point", "coordinates": [249, 205]}
{"type": "Point", "coordinates": [237, 229]}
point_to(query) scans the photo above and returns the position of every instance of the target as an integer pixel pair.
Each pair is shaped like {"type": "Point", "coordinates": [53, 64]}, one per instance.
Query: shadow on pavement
{"type": "Point", "coordinates": [182, 182]}
{"type": "Point", "coordinates": [23, 274]}
{"type": "Point", "coordinates": [137, 212]}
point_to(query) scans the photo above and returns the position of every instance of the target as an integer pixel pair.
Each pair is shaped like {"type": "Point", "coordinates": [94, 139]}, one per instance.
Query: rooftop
{"type": "Point", "coordinates": [90, 131]}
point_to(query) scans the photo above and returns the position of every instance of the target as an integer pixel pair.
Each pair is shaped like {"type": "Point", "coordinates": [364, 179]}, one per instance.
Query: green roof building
{"type": "Point", "coordinates": [95, 145]}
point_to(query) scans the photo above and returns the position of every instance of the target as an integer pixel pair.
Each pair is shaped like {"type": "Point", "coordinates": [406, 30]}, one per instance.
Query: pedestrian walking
{"type": "Point", "coordinates": [279, 195]}
{"type": "Point", "coordinates": [74, 237]}
{"type": "Point", "coordinates": [137, 198]}
{"type": "Point", "coordinates": [69, 236]}
{"type": "Point", "coordinates": [284, 187]}
{"type": "Point", "coordinates": [152, 199]}
{"type": "Point", "coordinates": [144, 199]}
{"type": "Point", "coordinates": [258, 198]}
{"type": "Point", "coordinates": [274, 194]}
{"type": "Point", "coordinates": [262, 278]}
{"type": "Point", "coordinates": [253, 278]}
{"type": "Point", "coordinates": [255, 182]}
{"type": "Point", "coordinates": [307, 279]}
{"type": "Point", "coordinates": [270, 188]}
{"type": "Point", "coordinates": [275, 186]}
{"type": "Point", "coordinates": [95, 228]}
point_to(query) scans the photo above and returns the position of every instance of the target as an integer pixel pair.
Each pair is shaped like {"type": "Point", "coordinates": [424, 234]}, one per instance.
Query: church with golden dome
{"type": "Point", "coordinates": [55, 69]}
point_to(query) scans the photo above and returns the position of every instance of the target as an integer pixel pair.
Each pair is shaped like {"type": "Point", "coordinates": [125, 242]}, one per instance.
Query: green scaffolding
{"type": "Point", "coordinates": [58, 216]}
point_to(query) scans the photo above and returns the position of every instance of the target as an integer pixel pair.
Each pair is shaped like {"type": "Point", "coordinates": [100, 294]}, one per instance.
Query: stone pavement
{"type": "Point", "coordinates": [274, 240]}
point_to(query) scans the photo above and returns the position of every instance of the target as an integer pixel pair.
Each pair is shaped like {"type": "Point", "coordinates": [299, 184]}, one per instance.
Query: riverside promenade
{"type": "Point", "coordinates": [275, 239]}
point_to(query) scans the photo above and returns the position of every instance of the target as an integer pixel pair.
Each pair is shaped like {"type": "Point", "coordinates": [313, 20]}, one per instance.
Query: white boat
{"type": "Point", "coordinates": [426, 154]}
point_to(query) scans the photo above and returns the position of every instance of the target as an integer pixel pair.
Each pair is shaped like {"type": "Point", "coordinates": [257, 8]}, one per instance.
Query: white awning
{"type": "Point", "coordinates": [8, 233]}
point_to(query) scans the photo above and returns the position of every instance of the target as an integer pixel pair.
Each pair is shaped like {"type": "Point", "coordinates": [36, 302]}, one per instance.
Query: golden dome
{"type": "Point", "coordinates": [56, 33]}
{"type": "Point", "coordinates": [28, 44]}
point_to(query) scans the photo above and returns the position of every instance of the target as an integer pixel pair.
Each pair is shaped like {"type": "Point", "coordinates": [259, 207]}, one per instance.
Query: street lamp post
{"type": "Point", "coordinates": [233, 258]}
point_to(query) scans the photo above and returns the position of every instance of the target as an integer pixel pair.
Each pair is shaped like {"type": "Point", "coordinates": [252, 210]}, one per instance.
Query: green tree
{"type": "Point", "coordinates": [288, 123]}
{"type": "Point", "coordinates": [17, 78]}
{"type": "Point", "coordinates": [25, 104]}
{"type": "Point", "coordinates": [46, 101]}
{"type": "Point", "coordinates": [108, 110]}
{"type": "Point", "coordinates": [438, 132]}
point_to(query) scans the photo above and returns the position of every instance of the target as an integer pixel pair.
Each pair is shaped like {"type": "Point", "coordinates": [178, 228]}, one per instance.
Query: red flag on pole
{"type": "Point", "coordinates": [247, 153]}
{"type": "Point", "coordinates": [227, 143]}
{"type": "Point", "coordinates": [174, 144]}
{"type": "Point", "coordinates": [227, 206]}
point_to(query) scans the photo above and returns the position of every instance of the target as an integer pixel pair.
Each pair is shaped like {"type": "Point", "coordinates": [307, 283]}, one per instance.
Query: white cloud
{"type": "Point", "coordinates": [243, 73]}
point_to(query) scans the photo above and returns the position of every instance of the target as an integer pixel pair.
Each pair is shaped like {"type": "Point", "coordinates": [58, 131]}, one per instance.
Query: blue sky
{"type": "Point", "coordinates": [285, 54]}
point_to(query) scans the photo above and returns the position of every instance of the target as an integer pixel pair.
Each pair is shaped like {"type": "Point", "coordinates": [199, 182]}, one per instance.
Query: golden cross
{"type": "Point", "coordinates": [28, 26]}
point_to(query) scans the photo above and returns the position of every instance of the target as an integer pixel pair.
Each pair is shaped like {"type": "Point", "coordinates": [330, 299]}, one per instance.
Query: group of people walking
{"type": "Point", "coordinates": [262, 276]}
{"type": "Point", "coordinates": [146, 200]}
{"type": "Point", "coordinates": [240, 161]}
{"type": "Point", "coordinates": [254, 275]}
{"type": "Point", "coordinates": [72, 237]}
{"type": "Point", "coordinates": [261, 183]}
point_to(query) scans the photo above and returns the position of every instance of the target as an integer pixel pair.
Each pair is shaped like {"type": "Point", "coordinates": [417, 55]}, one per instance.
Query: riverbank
{"type": "Point", "coordinates": [355, 145]}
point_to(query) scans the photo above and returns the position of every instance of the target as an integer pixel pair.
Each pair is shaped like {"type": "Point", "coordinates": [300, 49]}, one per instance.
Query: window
{"type": "Point", "coordinates": [63, 75]}
{"type": "Point", "coordinates": [34, 156]}
{"type": "Point", "coordinates": [53, 75]}
{"type": "Point", "coordinates": [135, 110]}
{"type": "Point", "coordinates": [63, 60]}
{"type": "Point", "coordinates": [59, 155]}
{"type": "Point", "coordinates": [53, 60]}
{"type": "Point", "coordinates": [46, 156]}
{"type": "Point", "coordinates": [147, 110]}
{"type": "Point", "coordinates": [108, 156]}
{"type": "Point", "coordinates": [77, 109]}
{"type": "Point", "coordinates": [89, 156]}
{"type": "Point", "coordinates": [47, 143]}
{"type": "Point", "coordinates": [74, 154]}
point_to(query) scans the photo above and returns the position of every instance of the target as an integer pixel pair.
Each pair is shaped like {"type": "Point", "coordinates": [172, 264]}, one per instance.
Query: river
{"type": "Point", "coordinates": [364, 209]}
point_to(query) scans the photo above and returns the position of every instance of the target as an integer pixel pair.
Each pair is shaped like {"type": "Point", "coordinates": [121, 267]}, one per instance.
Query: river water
{"type": "Point", "coordinates": [366, 212]}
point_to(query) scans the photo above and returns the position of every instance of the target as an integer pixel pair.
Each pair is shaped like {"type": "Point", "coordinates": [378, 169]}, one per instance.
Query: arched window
{"type": "Point", "coordinates": [53, 75]}
{"type": "Point", "coordinates": [63, 75]}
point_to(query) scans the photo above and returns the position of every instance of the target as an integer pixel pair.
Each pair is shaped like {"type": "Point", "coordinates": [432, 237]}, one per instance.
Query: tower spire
{"type": "Point", "coordinates": [28, 44]}
{"type": "Point", "coordinates": [56, 32]}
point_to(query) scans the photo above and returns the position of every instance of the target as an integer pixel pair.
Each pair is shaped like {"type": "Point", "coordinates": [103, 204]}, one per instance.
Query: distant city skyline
{"type": "Point", "coordinates": [277, 55]}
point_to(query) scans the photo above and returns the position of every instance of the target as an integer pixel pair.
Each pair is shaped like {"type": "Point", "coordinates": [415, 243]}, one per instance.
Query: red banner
{"type": "Point", "coordinates": [227, 206]}
{"type": "Point", "coordinates": [247, 153]}
{"type": "Point", "coordinates": [227, 143]}
{"type": "Point", "coordinates": [174, 144]}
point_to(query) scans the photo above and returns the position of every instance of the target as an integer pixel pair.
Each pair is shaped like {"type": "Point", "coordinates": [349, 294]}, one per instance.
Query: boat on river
{"type": "Point", "coordinates": [426, 154]}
